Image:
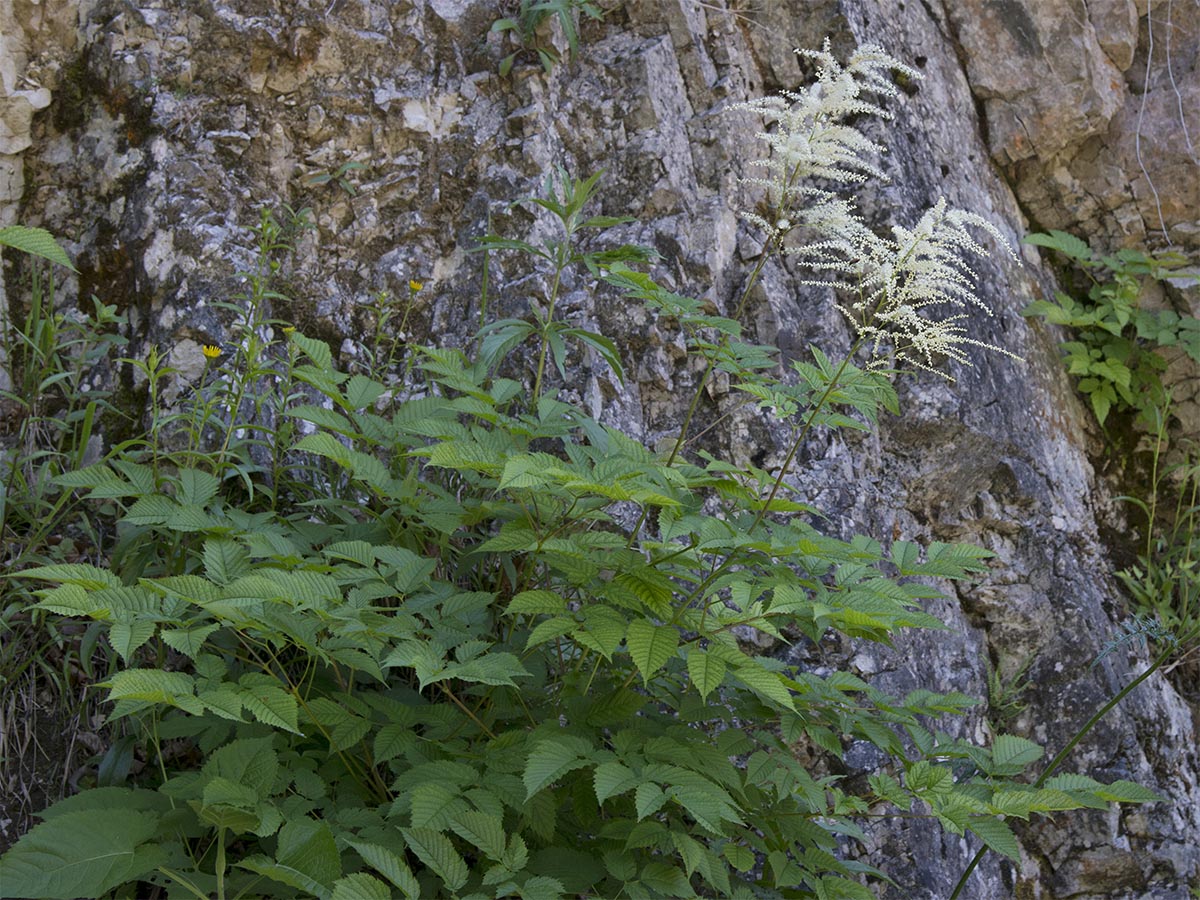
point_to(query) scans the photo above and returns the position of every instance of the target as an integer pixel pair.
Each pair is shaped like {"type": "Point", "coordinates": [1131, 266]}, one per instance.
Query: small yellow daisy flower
{"type": "Point", "coordinates": [415, 286]}
{"type": "Point", "coordinates": [210, 351]}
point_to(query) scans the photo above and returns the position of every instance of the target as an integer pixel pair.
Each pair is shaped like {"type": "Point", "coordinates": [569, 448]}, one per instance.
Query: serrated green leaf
{"type": "Point", "coordinates": [550, 760]}
{"type": "Point", "coordinates": [86, 576]}
{"type": "Point", "coordinates": [272, 706]}
{"type": "Point", "coordinates": [768, 685]}
{"type": "Point", "coordinates": [1011, 754]}
{"type": "Point", "coordinates": [360, 886]}
{"type": "Point", "coordinates": [648, 798]}
{"type": "Point", "coordinates": [996, 835]}
{"type": "Point", "coordinates": [435, 850]}
{"type": "Point", "coordinates": [225, 560]}
{"type": "Point", "coordinates": [390, 866]}
{"type": "Point", "coordinates": [706, 671]}
{"type": "Point", "coordinates": [187, 641]}
{"type": "Point", "coordinates": [482, 831]}
{"type": "Point", "coordinates": [73, 600]}
{"type": "Point", "coordinates": [434, 805]}
{"type": "Point", "coordinates": [1127, 792]}
{"type": "Point", "coordinates": [611, 779]}
{"type": "Point", "coordinates": [650, 646]}
{"type": "Point", "coordinates": [292, 877]}
{"type": "Point", "coordinates": [739, 857]}
{"type": "Point", "coordinates": [196, 487]}
{"type": "Point", "coordinates": [36, 242]}
{"type": "Point", "coordinates": [85, 853]}
{"type": "Point", "coordinates": [393, 740]}
{"type": "Point", "coordinates": [532, 603]}
{"type": "Point", "coordinates": [126, 637]}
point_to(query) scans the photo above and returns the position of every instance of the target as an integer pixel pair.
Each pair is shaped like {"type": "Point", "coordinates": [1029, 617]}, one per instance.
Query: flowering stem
{"type": "Point", "coordinates": [787, 462]}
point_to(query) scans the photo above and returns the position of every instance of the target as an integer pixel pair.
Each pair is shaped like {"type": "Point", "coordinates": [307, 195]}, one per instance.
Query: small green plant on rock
{"type": "Point", "coordinates": [1114, 354]}
{"type": "Point", "coordinates": [532, 15]}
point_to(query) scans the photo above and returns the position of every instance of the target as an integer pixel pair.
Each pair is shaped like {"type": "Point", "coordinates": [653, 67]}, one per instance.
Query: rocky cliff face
{"type": "Point", "coordinates": [149, 135]}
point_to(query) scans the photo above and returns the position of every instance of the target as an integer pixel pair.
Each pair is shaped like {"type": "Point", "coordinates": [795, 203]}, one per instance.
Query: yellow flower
{"type": "Point", "coordinates": [415, 286]}
{"type": "Point", "coordinates": [288, 329]}
{"type": "Point", "coordinates": [211, 351]}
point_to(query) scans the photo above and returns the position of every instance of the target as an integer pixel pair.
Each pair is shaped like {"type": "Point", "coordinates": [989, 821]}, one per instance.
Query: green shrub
{"type": "Point", "coordinates": [1115, 354]}
{"type": "Point", "coordinates": [472, 642]}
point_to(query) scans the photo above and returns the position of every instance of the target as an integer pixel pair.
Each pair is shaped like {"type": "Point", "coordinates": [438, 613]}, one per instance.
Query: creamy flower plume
{"type": "Point", "coordinates": [899, 282]}
{"type": "Point", "coordinates": [809, 136]}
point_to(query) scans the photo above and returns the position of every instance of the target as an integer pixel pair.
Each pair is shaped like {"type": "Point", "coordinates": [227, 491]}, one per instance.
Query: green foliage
{"type": "Point", "coordinates": [1165, 582]}
{"type": "Point", "coordinates": [338, 176]}
{"type": "Point", "coordinates": [1115, 354]}
{"type": "Point", "coordinates": [532, 15]}
{"type": "Point", "coordinates": [472, 642]}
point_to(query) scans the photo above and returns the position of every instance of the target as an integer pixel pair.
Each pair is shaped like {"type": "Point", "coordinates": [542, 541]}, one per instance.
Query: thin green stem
{"type": "Point", "coordinates": [559, 265]}
{"type": "Point", "coordinates": [220, 864]}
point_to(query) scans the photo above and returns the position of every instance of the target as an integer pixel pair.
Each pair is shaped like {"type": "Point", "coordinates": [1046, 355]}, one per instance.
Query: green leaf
{"type": "Point", "coordinates": [648, 798]}
{"type": "Point", "coordinates": [1062, 242]}
{"type": "Point", "coordinates": [435, 805]}
{"type": "Point", "coordinates": [36, 242]}
{"type": "Point", "coordinates": [666, 879]}
{"type": "Point", "coordinates": [996, 835]}
{"type": "Point", "coordinates": [362, 392]}
{"type": "Point", "coordinates": [1011, 754]}
{"type": "Point", "coordinates": [650, 646]}
{"type": "Point", "coordinates": [482, 831]}
{"type": "Point", "coordinates": [541, 887]}
{"type": "Point", "coordinates": [309, 847]}
{"type": "Point", "coordinates": [153, 686]}
{"type": "Point", "coordinates": [82, 574]}
{"type": "Point", "coordinates": [706, 671]}
{"type": "Point", "coordinates": [360, 886]}
{"type": "Point", "coordinates": [126, 637]}
{"type": "Point", "coordinates": [272, 706]}
{"type": "Point", "coordinates": [611, 779]}
{"type": "Point", "coordinates": [82, 854]}
{"type": "Point", "coordinates": [1127, 792]}
{"type": "Point", "coordinates": [390, 866]}
{"type": "Point", "coordinates": [292, 877]}
{"type": "Point", "coordinates": [187, 641]}
{"type": "Point", "coordinates": [492, 668]}
{"type": "Point", "coordinates": [435, 850]}
{"type": "Point", "coordinates": [73, 600]}
{"type": "Point", "coordinates": [739, 857]}
{"type": "Point", "coordinates": [550, 760]}
{"type": "Point", "coordinates": [225, 560]}
{"type": "Point", "coordinates": [392, 740]}
{"type": "Point", "coordinates": [532, 603]}
{"type": "Point", "coordinates": [317, 351]}
{"type": "Point", "coordinates": [768, 685]}
{"type": "Point", "coordinates": [196, 488]}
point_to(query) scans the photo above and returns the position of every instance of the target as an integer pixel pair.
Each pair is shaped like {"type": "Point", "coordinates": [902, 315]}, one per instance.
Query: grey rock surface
{"type": "Point", "coordinates": [148, 134]}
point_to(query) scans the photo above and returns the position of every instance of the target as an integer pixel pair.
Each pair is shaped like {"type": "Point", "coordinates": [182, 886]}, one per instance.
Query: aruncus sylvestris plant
{"type": "Point", "coordinates": [442, 664]}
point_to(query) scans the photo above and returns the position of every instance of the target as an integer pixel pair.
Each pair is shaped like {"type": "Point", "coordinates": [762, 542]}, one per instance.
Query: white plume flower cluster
{"type": "Point", "coordinates": [899, 282]}
{"type": "Point", "coordinates": [809, 137]}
